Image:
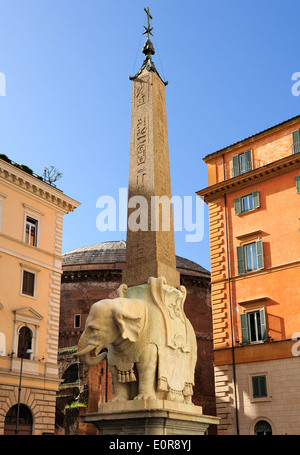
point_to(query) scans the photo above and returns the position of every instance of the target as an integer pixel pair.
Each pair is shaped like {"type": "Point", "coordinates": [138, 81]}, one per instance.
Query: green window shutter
{"type": "Point", "coordinates": [263, 324]}
{"type": "Point", "coordinates": [244, 329]}
{"type": "Point", "coordinates": [235, 166]}
{"type": "Point", "coordinates": [248, 160]}
{"type": "Point", "coordinates": [240, 259]}
{"type": "Point", "coordinates": [255, 196]}
{"type": "Point", "coordinates": [296, 141]}
{"type": "Point", "coordinates": [238, 205]}
{"type": "Point", "coordinates": [260, 254]}
{"type": "Point", "coordinates": [298, 183]}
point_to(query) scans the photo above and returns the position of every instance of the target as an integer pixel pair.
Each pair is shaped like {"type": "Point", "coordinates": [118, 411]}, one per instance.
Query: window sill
{"type": "Point", "coordinates": [29, 296]}
{"type": "Point", "coordinates": [260, 400]}
{"type": "Point", "coordinates": [246, 211]}
{"type": "Point", "coordinates": [250, 271]}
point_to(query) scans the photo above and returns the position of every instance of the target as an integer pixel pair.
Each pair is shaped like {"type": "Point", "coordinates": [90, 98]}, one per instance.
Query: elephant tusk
{"type": "Point", "coordinates": [98, 349]}
{"type": "Point", "coordinates": [84, 351]}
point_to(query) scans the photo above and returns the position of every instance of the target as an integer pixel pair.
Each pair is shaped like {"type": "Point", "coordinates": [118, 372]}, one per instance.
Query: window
{"type": "Point", "coordinates": [77, 321]}
{"type": "Point", "coordinates": [71, 374]}
{"type": "Point", "coordinates": [2, 196]}
{"type": "Point", "coordinates": [241, 163]}
{"type": "Point", "coordinates": [31, 227]}
{"type": "Point", "coordinates": [297, 178]}
{"type": "Point", "coordinates": [253, 327]}
{"type": "Point", "coordinates": [263, 428]}
{"type": "Point", "coordinates": [259, 386]}
{"type": "Point", "coordinates": [246, 203]}
{"type": "Point", "coordinates": [296, 141]}
{"type": "Point", "coordinates": [24, 342]}
{"type": "Point", "coordinates": [250, 257]}
{"type": "Point", "coordinates": [28, 283]}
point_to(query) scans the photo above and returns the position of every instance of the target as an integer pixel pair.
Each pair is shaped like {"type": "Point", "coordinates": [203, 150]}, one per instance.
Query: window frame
{"type": "Point", "coordinates": [297, 181]}
{"type": "Point", "coordinates": [79, 325]}
{"type": "Point", "coordinates": [33, 226]}
{"type": "Point", "coordinates": [2, 197]}
{"type": "Point", "coordinates": [296, 140]}
{"type": "Point", "coordinates": [245, 324]}
{"type": "Point", "coordinates": [33, 271]}
{"type": "Point", "coordinates": [239, 206]}
{"type": "Point", "coordinates": [257, 399]}
{"type": "Point", "coordinates": [35, 215]}
{"type": "Point", "coordinates": [240, 161]}
{"type": "Point", "coordinates": [242, 256]}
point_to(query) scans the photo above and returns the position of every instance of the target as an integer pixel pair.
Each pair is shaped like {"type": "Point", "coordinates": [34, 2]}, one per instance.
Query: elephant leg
{"type": "Point", "coordinates": [122, 390]}
{"type": "Point", "coordinates": [146, 367]}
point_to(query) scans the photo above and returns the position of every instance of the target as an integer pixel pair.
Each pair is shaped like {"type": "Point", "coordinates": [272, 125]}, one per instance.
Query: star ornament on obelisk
{"type": "Point", "coordinates": [150, 250]}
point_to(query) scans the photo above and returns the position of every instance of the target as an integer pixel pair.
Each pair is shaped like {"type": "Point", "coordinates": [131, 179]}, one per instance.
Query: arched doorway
{"type": "Point", "coordinates": [25, 421]}
{"type": "Point", "coordinates": [263, 428]}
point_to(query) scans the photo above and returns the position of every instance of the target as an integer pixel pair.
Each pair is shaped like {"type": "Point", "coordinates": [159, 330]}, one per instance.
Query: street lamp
{"type": "Point", "coordinates": [29, 351]}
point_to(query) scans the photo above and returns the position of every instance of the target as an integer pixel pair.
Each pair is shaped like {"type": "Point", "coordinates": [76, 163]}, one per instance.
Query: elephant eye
{"type": "Point", "coordinates": [94, 329]}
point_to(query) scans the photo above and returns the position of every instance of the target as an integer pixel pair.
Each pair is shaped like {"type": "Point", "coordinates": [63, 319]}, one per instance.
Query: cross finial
{"type": "Point", "coordinates": [148, 29]}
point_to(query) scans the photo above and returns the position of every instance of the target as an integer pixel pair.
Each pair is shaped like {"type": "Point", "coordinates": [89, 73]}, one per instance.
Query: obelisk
{"type": "Point", "coordinates": [150, 250]}
{"type": "Point", "coordinates": [152, 347]}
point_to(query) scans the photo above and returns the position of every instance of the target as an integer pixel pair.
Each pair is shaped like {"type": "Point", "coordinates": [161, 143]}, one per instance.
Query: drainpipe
{"type": "Point", "coordinates": [230, 308]}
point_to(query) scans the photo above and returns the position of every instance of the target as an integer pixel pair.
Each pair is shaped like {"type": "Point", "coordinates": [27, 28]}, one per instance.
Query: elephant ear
{"type": "Point", "coordinates": [129, 320]}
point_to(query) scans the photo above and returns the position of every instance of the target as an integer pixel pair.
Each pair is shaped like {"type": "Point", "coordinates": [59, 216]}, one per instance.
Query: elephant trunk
{"type": "Point", "coordinates": [84, 352]}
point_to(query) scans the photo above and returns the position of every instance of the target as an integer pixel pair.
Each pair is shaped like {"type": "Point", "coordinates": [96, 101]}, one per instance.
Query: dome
{"type": "Point", "coordinates": [115, 251]}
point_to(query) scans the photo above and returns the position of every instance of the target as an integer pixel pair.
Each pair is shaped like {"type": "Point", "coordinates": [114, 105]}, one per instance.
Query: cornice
{"type": "Point", "coordinates": [271, 170]}
{"type": "Point", "coordinates": [22, 181]}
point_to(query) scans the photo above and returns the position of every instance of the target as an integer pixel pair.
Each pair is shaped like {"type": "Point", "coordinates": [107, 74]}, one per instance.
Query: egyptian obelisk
{"type": "Point", "coordinates": [153, 350]}
{"type": "Point", "coordinates": [150, 250]}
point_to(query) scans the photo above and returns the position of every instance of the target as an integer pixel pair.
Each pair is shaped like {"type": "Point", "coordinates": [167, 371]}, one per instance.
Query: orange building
{"type": "Point", "coordinates": [254, 221]}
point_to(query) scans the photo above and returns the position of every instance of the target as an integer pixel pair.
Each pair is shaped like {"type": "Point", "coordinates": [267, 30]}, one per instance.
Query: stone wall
{"type": "Point", "coordinates": [40, 402]}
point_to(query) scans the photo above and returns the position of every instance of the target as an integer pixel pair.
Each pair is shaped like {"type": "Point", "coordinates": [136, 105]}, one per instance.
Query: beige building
{"type": "Point", "coordinates": [31, 224]}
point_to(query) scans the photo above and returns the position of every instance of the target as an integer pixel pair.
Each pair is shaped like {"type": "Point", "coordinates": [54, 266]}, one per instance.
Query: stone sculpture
{"type": "Point", "coordinates": [152, 348]}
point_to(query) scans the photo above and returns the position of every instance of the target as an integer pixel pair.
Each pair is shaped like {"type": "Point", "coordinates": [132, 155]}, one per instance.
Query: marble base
{"type": "Point", "coordinates": [150, 417]}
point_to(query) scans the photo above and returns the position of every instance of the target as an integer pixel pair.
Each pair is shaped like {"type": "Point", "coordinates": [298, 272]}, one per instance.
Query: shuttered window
{"type": "Point", "coordinates": [250, 257]}
{"type": "Point", "coordinates": [298, 183]}
{"type": "Point", "coordinates": [241, 163]}
{"type": "Point", "coordinates": [253, 326]}
{"type": "Point", "coordinates": [296, 141]}
{"type": "Point", "coordinates": [246, 203]}
{"type": "Point", "coordinates": [259, 386]}
{"type": "Point", "coordinates": [28, 283]}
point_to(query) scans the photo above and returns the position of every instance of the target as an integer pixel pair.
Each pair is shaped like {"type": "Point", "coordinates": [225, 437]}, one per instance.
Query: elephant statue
{"type": "Point", "coordinates": [152, 348]}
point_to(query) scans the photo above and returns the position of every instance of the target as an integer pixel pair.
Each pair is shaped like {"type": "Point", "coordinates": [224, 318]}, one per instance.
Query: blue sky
{"type": "Point", "coordinates": [68, 95]}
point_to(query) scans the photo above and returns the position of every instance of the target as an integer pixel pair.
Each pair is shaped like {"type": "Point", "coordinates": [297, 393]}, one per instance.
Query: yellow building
{"type": "Point", "coordinates": [31, 224]}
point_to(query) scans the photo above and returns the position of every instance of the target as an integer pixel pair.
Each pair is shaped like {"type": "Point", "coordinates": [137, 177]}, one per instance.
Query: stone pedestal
{"type": "Point", "coordinates": [150, 417]}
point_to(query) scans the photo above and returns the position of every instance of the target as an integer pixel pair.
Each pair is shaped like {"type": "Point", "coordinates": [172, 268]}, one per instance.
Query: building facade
{"type": "Point", "coordinates": [31, 224]}
{"type": "Point", "coordinates": [93, 273]}
{"type": "Point", "coordinates": [254, 208]}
